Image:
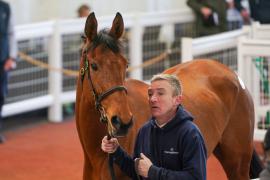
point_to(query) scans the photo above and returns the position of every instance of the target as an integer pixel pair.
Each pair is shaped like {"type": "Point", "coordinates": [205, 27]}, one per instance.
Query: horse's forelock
{"type": "Point", "coordinates": [103, 38]}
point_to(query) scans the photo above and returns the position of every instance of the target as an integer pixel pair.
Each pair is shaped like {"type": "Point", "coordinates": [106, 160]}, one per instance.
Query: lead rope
{"type": "Point", "coordinates": [110, 162]}
{"type": "Point", "coordinates": [136, 168]}
{"type": "Point", "coordinates": [110, 158]}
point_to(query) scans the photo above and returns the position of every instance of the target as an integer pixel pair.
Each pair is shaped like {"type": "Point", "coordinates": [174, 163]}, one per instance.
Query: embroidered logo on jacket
{"type": "Point", "coordinates": [171, 151]}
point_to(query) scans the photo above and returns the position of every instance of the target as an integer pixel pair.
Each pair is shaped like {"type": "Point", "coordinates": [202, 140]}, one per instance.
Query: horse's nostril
{"type": "Point", "coordinates": [121, 128]}
{"type": "Point", "coordinates": [116, 121]}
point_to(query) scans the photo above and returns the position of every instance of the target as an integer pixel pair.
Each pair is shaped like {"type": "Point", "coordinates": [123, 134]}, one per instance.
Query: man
{"type": "Point", "coordinates": [259, 10]}
{"type": "Point", "coordinates": [83, 11]}
{"type": "Point", "coordinates": [8, 53]}
{"type": "Point", "coordinates": [169, 146]}
{"type": "Point", "coordinates": [265, 174]}
{"type": "Point", "coordinates": [211, 16]}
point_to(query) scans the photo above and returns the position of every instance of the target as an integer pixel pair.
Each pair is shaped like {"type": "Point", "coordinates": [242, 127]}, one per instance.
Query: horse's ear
{"type": "Point", "coordinates": [90, 28]}
{"type": "Point", "coordinates": [117, 26]}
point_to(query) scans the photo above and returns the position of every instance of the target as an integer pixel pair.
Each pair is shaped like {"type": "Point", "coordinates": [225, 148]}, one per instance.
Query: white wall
{"type": "Point", "coordinates": [27, 11]}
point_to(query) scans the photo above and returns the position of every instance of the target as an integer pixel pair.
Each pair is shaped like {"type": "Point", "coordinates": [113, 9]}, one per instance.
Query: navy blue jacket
{"type": "Point", "coordinates": [4, 50]}
{"type": "Point", "coordinates": [177, 150]}
{"type": "Point", "coordinates": [4, 19]}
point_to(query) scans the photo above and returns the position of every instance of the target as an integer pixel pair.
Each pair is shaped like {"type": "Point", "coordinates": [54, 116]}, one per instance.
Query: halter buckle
{"type": "Point", "coordinates": [82, 71]}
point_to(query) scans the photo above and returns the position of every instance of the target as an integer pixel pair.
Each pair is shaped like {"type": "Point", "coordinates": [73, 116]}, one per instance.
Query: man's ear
{"type": "Point", "coordinates": [178, 99]}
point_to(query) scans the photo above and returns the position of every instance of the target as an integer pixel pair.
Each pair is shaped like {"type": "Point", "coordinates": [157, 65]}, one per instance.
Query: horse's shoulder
{"type": "Point", "coordinates": [219, 76]}
{"type": "Point", "coordinates": [209, 81]}
{"type": "Point", "coordinates": [223, 82]}
{"type": "Point", "coordinates": [207, 71]}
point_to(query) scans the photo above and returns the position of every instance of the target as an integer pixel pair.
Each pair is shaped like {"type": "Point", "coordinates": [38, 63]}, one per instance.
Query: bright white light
{"type": "Point", "coordinates": [241, 83]}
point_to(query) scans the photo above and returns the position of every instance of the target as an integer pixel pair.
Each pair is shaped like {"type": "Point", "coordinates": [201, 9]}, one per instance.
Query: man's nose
{"type": "Point", "coordinates": [153, 98]}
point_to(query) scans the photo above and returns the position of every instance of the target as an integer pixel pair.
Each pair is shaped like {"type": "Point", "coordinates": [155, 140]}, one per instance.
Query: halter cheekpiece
{"type": "Point", "coordinates": [98, 97]}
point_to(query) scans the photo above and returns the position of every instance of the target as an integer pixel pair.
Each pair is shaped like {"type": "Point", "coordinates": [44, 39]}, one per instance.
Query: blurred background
{"type": "Point", "coordinates": [158, 34]}
{"type": "Point", "coordinates": [27, 11]}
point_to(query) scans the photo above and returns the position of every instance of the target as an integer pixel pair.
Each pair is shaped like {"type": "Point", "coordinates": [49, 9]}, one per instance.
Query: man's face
{"type": "Point", "coordinates": [161, 100]}
{"type": "Point", "coordinates": [84, 13]}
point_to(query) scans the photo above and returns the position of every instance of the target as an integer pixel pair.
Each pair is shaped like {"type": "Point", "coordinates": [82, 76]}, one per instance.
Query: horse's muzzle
{"type": "Point", "coordinates": [120, 127]}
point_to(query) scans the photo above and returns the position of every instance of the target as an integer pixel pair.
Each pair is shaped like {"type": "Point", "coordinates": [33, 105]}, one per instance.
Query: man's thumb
{"type": "Point", "coordinates": [143, 156]}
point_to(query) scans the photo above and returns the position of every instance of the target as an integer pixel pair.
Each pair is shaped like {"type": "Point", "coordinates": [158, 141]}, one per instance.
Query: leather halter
{"type": "Point", "coordinates": [98, 97]}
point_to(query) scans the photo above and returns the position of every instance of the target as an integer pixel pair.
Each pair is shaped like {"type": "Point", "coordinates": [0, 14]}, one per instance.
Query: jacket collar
{"type": "Point", "coordinates": [181, 116]}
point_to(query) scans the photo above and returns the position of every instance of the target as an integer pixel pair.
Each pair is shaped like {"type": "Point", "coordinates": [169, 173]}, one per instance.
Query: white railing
{"type": "Point", "coordinates": [51, 35]}
{"type": "Point", "coordinates": [137, 22]}
{"type": "Point", "coordinates": [50, 42]}
{"type": "Point", "coordinates": [248, 50]}
{"type": "Point", "coordinates": [209, 44]}
{"type": "Point", "coordinates": [260, 31]}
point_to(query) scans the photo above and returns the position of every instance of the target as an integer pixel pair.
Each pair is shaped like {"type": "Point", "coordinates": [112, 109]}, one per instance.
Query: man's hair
{"type": "Point", "coordinates": [172, 80]}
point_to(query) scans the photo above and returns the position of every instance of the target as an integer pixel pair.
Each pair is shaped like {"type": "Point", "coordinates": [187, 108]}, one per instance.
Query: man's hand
{"type": "Point", "coordinates": [143, 165]}
{"type": "Point", "coordinates": [109, 146]}
{"type": "Point", "coordinates": [245, 15]}
{"type": "Point", "coordinates": [10, 64]}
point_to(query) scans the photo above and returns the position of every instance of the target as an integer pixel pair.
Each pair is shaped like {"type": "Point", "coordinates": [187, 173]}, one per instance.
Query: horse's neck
{"type": "Point", "coordinates": [90, 127]}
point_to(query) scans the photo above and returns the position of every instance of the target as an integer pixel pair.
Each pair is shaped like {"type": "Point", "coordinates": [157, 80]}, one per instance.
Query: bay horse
{"type": "Point", "coordinates": [220, 103]}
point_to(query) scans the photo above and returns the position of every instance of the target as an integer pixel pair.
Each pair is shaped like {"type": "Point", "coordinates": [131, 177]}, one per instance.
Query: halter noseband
{"type": "Point", "coordinates": [98, 97]}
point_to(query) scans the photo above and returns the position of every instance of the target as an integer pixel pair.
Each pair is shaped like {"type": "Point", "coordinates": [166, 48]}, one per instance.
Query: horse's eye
{"type": "Point", "coordinates": [94, 66]}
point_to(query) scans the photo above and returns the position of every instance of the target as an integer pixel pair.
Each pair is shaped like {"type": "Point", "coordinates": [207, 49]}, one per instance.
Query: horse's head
{"type": "Point", "coordinates": [103, 71]}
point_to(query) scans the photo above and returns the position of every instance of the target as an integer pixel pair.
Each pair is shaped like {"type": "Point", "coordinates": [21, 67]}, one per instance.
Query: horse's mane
{"type": "Point", "coordinates": [103, 38]}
